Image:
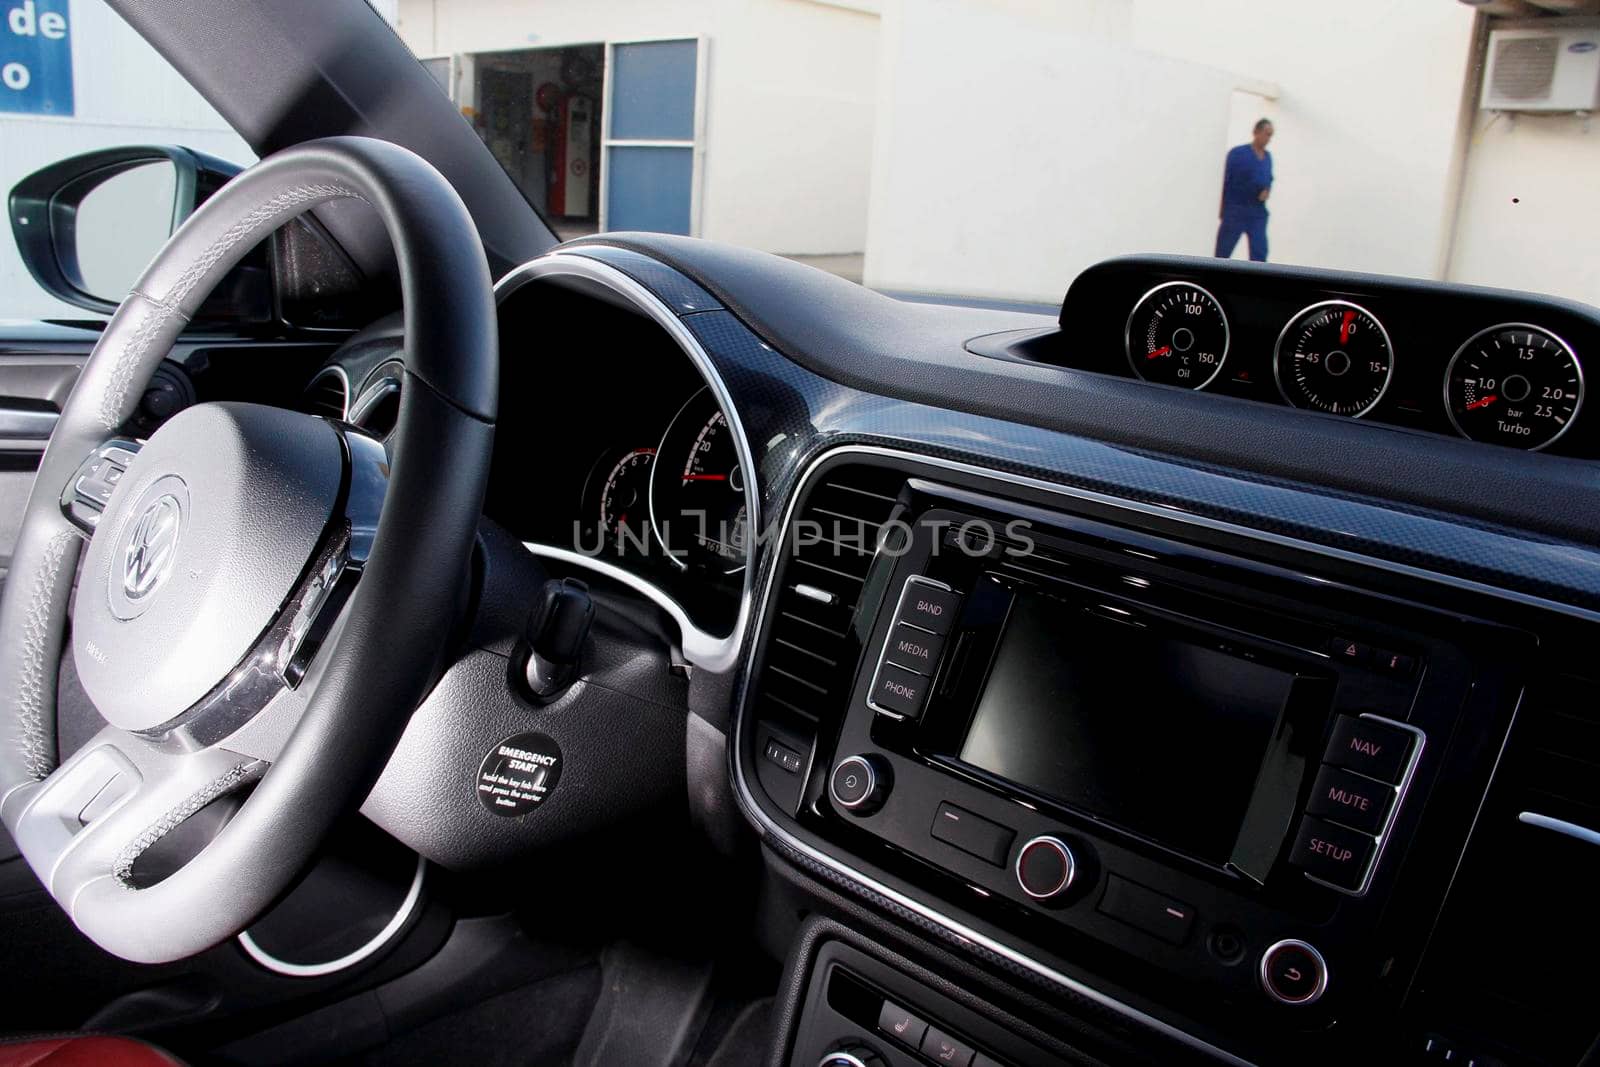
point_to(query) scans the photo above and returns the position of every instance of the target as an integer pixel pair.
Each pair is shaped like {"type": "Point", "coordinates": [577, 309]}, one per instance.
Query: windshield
{"type": "Point", "coordinates": [980, 150]}
{"type": "Point", "coordinates": [993, 149]}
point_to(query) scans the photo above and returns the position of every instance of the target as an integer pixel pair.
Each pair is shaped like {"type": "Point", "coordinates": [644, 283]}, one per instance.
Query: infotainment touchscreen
{"type": "Point", "coordinates": [1158, 735]}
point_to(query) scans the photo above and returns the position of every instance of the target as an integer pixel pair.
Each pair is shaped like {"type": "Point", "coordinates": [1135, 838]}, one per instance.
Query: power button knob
{"type": "Point", "coordinates": [859, 784]}
{"type": "Point", "coordinates": [1045, 867]}
{"type": "Point", "coordinates": [1293, 972]}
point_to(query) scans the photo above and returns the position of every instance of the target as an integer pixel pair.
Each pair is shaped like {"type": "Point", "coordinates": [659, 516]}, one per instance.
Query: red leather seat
{"type": "Point", "coordinates": [73, 1050]}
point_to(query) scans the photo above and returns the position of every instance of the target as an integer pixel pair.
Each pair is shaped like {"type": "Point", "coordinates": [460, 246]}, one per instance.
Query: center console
{"type": "Point", "coordinates": [1215, 786]}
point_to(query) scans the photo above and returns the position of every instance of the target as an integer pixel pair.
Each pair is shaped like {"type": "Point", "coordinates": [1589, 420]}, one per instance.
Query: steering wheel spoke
{"type": "Point", "coordinates": [87, 493]}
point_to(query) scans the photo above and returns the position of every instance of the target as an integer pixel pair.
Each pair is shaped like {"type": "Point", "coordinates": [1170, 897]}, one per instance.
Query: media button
{"type": "Point", "coordinates": [898, 690]}
{"type": "Point", "coordinates": [1357, 802]}
{"type": "Point", "coordinates": [928, 606]}
{"type": "Point", "coordinates": [913, 648]}
{"type": "Point", "coordinates": [1374, 749]}
{"type": "Point", "coordinates": [1334, 854]}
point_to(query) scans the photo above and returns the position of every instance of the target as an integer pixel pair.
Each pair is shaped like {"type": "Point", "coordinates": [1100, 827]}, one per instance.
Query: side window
{"type": "Point", "coordinates": [74, 77]}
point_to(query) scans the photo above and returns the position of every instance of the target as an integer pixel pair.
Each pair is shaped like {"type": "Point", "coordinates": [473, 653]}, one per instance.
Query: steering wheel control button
{"type": "Point", "coordinates": [1293, 972]}
{"type": "Point", "coordinates": [1371, 748]}
{"type": "Point", "coordinates": [914, 649]}
{"type": "Point", "coordinates": [1331, 853]}
{"type": "Point", "coordinates": [973, 834]}
{"type": "Point", "coordinates": [519, 774]}
{"type": "Point", "coordinates": [940, 1047]}
{"type": "Point", "coordinates": [859, 784]}
{"type": "Point", "coordinates": [1045, 867]}
{"type": "Point", "coordinates": [899, 691]}
{"type": "Point", "coordinates": [1147, 910]}
{"type": "Point", "coordinates": [928, 605]}
{"type": "Point", "coordinates": [901, 1025]}
{"type": "Point", "coordinates": [1356, 802]}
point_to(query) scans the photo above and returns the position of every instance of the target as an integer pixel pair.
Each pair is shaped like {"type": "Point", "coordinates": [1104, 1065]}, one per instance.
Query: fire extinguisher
{"type": "Point", "coordinates": [571, 148]}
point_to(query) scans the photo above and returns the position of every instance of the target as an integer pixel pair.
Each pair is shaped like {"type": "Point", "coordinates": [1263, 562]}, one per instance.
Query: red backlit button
{"type": "Point", "coordinates": [1357, 802]}
{"type": "Point", "coordinates": [1292, 972]}
{"type": "Point", "coordinates": [1368, 747]}
{"type": "Point", "coordinates": [1332, 853]}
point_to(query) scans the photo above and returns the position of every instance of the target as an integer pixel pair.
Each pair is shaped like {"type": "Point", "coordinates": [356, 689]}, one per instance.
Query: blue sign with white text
{"type": "Point", "coordinates": [35, 57]}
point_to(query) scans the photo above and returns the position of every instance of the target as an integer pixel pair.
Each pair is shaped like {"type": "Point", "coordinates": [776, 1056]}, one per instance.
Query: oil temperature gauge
{"type": "Point", "coordinates": [1514, 385]}
{"type": "Point", "coordinates": [1177, 335]}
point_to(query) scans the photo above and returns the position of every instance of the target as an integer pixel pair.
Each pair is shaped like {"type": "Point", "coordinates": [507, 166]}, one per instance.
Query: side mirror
{"type": "Point", "coordinates": [87, 226]}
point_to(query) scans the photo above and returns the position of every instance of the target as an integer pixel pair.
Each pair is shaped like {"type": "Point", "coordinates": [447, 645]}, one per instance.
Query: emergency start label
{"type": "Point", "coordinates": [519, 773]}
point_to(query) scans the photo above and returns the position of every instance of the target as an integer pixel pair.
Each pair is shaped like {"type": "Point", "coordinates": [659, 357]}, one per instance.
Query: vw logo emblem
{"type": "Point", "coordinates": [148, 558]}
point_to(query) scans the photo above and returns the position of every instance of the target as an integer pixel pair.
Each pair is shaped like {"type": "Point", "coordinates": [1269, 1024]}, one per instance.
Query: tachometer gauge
{"type": "Point", "coordinates": [1335, 357]}
{"type": "Point", "coordinates": [1177, 335]}
{"type": "Point", "coordinates": [624, 500]}
{"type": "Point", "coordinates": [1515, 385]}
{"type": "Point", "coordinates": [697, 500]}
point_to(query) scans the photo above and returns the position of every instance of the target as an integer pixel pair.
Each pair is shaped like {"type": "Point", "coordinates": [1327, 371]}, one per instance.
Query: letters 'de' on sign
{"type": "Point", "coordinates": [35, 57]}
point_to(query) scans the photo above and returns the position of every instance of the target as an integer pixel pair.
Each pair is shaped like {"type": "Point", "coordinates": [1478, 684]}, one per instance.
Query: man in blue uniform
{"type": "Point", "coordinates": [1246, 183]}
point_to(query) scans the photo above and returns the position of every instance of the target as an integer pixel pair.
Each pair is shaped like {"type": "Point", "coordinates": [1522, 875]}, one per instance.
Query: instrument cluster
{"type": "Point", "coordinates": [1490, 366]}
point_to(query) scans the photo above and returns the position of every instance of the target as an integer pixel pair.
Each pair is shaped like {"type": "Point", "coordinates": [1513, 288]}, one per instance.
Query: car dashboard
{"type": "Point", "coordinates": [1095, 712]}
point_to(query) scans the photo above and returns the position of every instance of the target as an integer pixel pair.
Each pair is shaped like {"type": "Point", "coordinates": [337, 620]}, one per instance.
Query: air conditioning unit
{"type": "Point", "coordinates": [1543, 70]}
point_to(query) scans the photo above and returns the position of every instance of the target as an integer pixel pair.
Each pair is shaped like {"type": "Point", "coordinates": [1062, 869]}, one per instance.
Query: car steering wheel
{"type": "Point", "coordinates": [264, 598]}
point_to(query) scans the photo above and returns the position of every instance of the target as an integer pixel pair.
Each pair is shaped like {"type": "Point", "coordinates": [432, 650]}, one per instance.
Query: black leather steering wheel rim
{"type": "Point", "coordinates": [379, 662]}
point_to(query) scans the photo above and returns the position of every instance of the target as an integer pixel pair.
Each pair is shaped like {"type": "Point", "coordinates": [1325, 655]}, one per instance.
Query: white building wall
{"type": "Point", "coordinates": [1014, 151]}
{"type": "Point", "coordinates": [124, 93]}
{"type": "Point", "coordinates": [1367, 117]}
{"type": "Point", "coordinates": [789, 109]}
{"type": "Point", "coordinates": [1528, 219]}
{"type": "Point", "coordinates": [1028, 140]}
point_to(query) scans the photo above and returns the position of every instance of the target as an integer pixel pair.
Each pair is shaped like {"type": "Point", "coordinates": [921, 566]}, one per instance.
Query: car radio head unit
{"type": "Point", "coordinates": [1128, 719]}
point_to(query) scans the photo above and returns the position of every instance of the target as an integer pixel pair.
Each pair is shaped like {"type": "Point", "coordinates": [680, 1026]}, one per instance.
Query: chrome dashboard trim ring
{"type": "Point", "coordinates": [396, 923]}
{"type": "Point", "coordinates": [700, 648]}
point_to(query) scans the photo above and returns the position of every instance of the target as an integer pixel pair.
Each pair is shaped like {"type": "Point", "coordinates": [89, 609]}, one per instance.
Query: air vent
{"type": "Point", "coordinates": [1525, 67]}
{"type": "Point", "coordinates": [811, 647]}
{"type": "Point", "coordinates": [1522, 906]}
{"type": "Point", "coordinates": [328, 394]}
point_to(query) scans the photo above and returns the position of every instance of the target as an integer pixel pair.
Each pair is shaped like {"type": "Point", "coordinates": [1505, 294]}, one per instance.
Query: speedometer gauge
{"type": "Point", "coordinates": [1177, 335]}
{"type": "Point", "coordinates": [1515, 385]}
{"type": "Point", "coordinates": [1335, 357]}
{"type": "Point", "coordinates": [697, 498]}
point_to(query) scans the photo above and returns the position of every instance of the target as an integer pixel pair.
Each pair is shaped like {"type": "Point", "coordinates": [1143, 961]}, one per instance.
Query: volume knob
{"type": "Point", "coordinates": [859, 784]}
{"type": "Point", "coordinates": [1045, 867]}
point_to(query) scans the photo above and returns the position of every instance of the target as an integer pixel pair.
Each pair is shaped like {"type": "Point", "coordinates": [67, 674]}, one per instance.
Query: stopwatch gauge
{"type": "Point", "coordinates": [1334, 357]}
{"type": "Point", "coordinates": [1177, 334]}
{"type": "Point", "coordinates": [1514, 384]}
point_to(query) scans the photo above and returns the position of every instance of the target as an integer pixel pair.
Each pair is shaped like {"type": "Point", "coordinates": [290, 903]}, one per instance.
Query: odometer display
{"type": "Point", "coordinates": [1177, 335]}
{"type": "Point", "coordinates": [1514, 385]}
{"type": "Point", "coordinates": [1335, 357]}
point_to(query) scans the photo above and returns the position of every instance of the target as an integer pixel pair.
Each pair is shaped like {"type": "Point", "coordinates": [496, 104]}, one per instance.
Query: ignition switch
{"type": "Point", "coordinates": [555, 632]}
